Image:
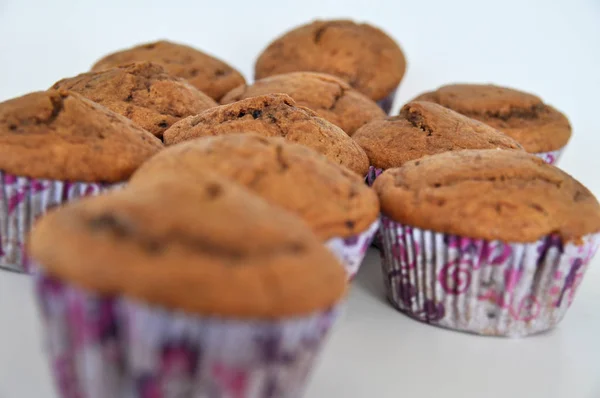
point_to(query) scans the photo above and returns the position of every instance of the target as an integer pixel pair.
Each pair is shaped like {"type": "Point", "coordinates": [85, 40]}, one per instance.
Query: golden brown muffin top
{"type": "Point", "coordinates": [522, 116]}
{"type": "Point", "coordinates": [62, 136]}
{"type": "Point", "coordinates": [489, 194]}
{"type": "Point", "coordinates": [142, 92]}
{"type": "Point", "coordinates": [274, 115]}
{"type": "Point", "coordinates": [328, 96]}
{"type": "Point", "coordinates": [334, 201]}
{"type": "Point", "coordinates": [208, 74]}
{"type": "Point", "coordinates": [425, 128]}
{"type": "Point", "coordinates": [207, 246]}
{"type": "Point", "coordinates": [360, 54]}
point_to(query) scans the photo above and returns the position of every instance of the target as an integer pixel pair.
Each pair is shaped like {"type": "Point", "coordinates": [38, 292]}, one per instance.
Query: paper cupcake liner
{"type": "Point", "coordinates": [118, 347]}
{"type": "Point", "coordinates": [372, 175]}
{"type": "Point", "coordinates": [550, 157]}
{"type": "Point", "coordinates": [387, 102]}
{"type": "Point", "coordinates": [351, 251]}
{"type": "Point", "coordinates": [22, 201]}
{"type": "Point", "coordinates": [479, 286]}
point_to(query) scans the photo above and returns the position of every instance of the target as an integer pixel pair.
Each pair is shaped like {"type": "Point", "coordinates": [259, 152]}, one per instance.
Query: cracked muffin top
{"type": "Point", "coordinates": [208, 74]}
{"type": "Point", "coordinates": [218, 251]}
{"type": "Point", "coordinates": [510, 196]}
{"type": "Point", "coordinates": [60, 135]}
{"type": "Point", "coordinates": [522, 116]}
{"type": "Point", "coordinates": [334, 201]}
{"type": "Point", "coordinates": [143, 92]}
{"type": "Point", "coordinates": [274, 115]}
{"type": "Point", "coordinates": [328, 96]}
{"type": "Point", "coordinates": [360, 54]}
{"type": "Point", "coordinates": [425, 128]}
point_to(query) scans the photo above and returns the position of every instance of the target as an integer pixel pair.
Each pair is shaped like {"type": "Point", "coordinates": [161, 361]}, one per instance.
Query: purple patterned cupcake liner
{"type": "Point", "coordinates": [372, 175]}
{"type": "Point", "coordinates": [102, 346]}
{"type": "Point", "coordinates": [479, 286]}
{"type": "Point", "coordinates": [22, 201]}
{"type": "Point", "coordinates": [387, 102]}
{"type": "Point", "coordinates": [550, 157]}
{"type": "Point", "coordinates": [351, 251]}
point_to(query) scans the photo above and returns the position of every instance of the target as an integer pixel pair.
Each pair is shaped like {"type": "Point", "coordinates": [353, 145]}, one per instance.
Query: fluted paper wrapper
{"type": "Point", "coordinates": [351, 251]}
{"type": "Point", "coordinates": [22, 201]}
{"type": "Point", "coordinates": [372, 175]}
{"type": "Point", "coordinates": [387, 102]}
{"type": "Point", "coordinates": [102, 347]}
{"type": "Point", "coordinates": [550, 157]}
{"type": "Point", "coordinates": [479, 286]}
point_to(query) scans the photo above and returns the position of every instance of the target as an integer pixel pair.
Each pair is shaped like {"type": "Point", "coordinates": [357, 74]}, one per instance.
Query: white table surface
{"type": "Point", "coordinates": [548, 47]}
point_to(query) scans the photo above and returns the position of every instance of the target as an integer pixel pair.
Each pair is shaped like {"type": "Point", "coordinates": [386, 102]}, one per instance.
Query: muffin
{"type": "Point", "coordinates": [173, 290]}
{"type": "Point", "coordinates": [329, 97]}
{"type": "Point", "coordinates": [341, 210]}
{"type": "Point", "coordinates": [208, 74]}
{"type": "Point", "coordinates": [541, 129]}
{"type": "Point", "coordinates": [274, 115]}
{"type": "Point", "coordinates": [55, 147]}
{"type": "Point", "coordinates": [485, 241]}
{"type": "Point", "coordinates": [421, 129]}
{"type": "Point", "coordinates": [360, 54]}
{"type": "Point", "coordinates": [142, 92]}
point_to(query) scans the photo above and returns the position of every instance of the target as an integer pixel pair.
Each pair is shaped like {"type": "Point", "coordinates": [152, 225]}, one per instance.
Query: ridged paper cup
{"type": "Point", "coordinates": [351, 251]}
{"type": "Point", "coordinates": [387, 102]}
{"type": "Point", "coordinates": [478, 286]}
{"type": "Point", "coordinates": [102, 346]}
{"type": "Point", "coordinates": [22, 201]}
{"type": "Point", "coordinates": [551, 157]}
{"type": "Point", "coordinates": [372, 175]}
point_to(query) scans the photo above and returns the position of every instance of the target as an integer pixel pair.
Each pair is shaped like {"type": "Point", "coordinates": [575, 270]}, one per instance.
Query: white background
{"type": "Point", "coordinates": [551, 48]}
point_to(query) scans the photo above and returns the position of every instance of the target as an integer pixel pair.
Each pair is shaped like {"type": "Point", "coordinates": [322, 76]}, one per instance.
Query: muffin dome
{"type": "Point", "coordinates": [334, 201]}
{"type": "Point", "coordinates": [142, 92]}
{"type": "Point", "coordinates": [329, 97]}
{"type": "Point", "coordinates": [208, 247]}
{"type": "Point", "coordinates": [208, 74]}
{"type": "Point", "coordinates": [522, 116]}
{"type": "Point", "coordinates": [360, 54]}
{"type": "Point", "coordinates": [510, 196]}
{"type": "Point", "coordinates": [424, 128]}
{"type": "Point", "coordinates": [274, 115]}
{"type": "Point", "coordinates": [60, 135]}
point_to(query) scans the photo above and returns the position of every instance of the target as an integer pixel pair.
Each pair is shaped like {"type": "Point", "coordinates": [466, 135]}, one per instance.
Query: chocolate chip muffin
{"type": "Point", "coordinates": [219, 278]}
{"type": "Point", "coordinates": [425, 128]}
{"type": "Point", "coordinates": [360, 54]}
{"type": "Point", "coordinates": [329, 97]}
{"type": "Point", "coordinates": [274, 115]}
{"type": "Point", "coordinates": [500, 240]}
{"type": "Point", "coordinates": [208, 74]}
{"type": "Point", "coordinates": [143, 92]}
{"type": "Point", "coordinates": [335, 202]}
{"type": "Point", "coordinates": [57, 146]}
{"type": "Point", "coordinates": [537, 126]}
